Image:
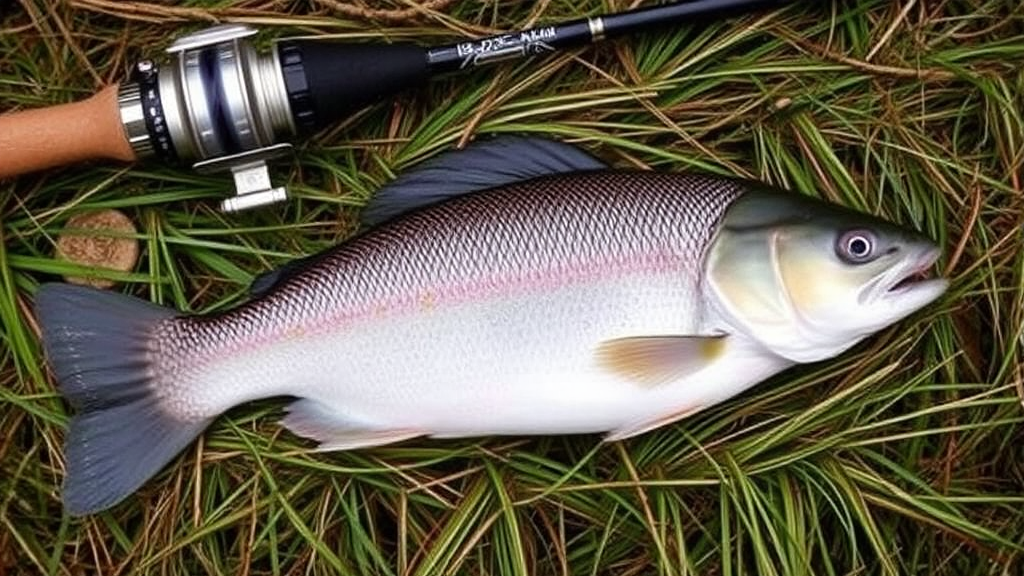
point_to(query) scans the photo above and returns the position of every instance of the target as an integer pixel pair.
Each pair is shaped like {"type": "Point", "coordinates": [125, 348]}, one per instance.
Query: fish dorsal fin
{"type": "Point", "coordinates": [481, 165]}
{"type": "Point", "coordinates": [655, 360]}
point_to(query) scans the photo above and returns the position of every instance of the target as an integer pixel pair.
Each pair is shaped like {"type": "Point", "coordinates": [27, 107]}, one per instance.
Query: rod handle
{"type": "Point", "coordinates": [90, 129]}
{"type": "Point", "coordinates": [327, 81]}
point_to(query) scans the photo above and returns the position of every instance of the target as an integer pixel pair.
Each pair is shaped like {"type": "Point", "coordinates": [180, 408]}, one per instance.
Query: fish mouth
{"type": "Point", "coordinates": [917, 274]}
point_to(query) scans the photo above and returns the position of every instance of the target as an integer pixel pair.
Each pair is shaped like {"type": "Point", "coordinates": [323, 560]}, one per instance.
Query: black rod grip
{"type": "Point", "coordinates": [328, 80]}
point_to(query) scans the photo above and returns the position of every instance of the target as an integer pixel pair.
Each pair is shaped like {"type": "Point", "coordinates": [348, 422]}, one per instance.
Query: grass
{"type": "Point", "coordinates": [903, 456]}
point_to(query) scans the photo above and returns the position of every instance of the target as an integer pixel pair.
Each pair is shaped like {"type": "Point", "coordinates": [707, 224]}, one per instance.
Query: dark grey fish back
{"type": "Point", "coordinates": [533, 227]}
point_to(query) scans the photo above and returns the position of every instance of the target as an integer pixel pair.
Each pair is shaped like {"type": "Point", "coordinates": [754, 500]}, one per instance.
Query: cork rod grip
{"type": "Point", "coordinates": [48, 137]}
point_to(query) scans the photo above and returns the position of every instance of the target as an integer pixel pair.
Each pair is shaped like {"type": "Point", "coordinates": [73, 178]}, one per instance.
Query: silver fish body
{"type": "Point", "coordinates": [479, 316]}
{"type": "Point", "coordinates": [570, 302]}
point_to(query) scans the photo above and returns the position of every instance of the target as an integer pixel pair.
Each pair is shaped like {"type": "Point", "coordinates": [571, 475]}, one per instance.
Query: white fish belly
{"type": "Point", "coordinates": [522, 364]}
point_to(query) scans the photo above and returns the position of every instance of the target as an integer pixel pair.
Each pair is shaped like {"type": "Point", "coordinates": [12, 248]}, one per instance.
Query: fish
{"type": "Point", "coordinates": [518, 286]}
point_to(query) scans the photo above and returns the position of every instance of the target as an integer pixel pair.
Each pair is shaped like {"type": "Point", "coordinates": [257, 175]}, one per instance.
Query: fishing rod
{"type": "Point", "coordinates": [217, 105]}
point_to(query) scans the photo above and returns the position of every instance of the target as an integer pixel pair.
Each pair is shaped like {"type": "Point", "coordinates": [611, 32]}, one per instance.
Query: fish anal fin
{"type": "Point", "coordinates": [313, 420]}
{"type": "Point", "coordinates": [355, 439]}
{"type": "Point", "coordinates": [655, 360]}
{"type": "Point", "coordinates": [643, 426]}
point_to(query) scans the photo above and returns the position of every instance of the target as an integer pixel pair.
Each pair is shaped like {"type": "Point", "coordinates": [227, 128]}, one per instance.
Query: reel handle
{"type": "Point", "coordinates": [90, 129]}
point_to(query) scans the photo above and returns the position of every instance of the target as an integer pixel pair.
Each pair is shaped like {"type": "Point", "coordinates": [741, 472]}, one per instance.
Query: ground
{"type": "Point", "coordinates": [902, 456]}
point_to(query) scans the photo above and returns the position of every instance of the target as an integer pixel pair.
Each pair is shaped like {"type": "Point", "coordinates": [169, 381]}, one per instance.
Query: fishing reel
{"type": "Point", "coordinates": [218, 106]}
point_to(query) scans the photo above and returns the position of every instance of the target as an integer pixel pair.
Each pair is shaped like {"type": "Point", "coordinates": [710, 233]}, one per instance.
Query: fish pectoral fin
{"type": "Point", "coordinates": [313, 420]}
{"type": "Point", "coordinates": [655, 360]}
{"type": "Point", "coordinates": [641, 426]}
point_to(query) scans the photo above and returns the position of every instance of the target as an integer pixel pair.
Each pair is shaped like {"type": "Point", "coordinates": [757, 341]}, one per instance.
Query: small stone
{"type": "Point", "coordinates": [783, 102]}
{"type": "Point", "coordinates": [83, 242]}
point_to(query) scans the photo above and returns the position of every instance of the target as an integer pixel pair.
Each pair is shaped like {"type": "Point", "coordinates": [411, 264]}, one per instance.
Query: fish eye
{"type": "Point", "coordinates": [856, 246]}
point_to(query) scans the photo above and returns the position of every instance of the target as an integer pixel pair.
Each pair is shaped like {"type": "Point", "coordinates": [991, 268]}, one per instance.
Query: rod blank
{"type": "Point", "coordinates": [543, 39]}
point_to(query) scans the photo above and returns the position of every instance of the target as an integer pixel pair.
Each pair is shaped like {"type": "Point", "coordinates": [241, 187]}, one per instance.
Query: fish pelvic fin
{"type": "Point", "coordinates": [643, 426]}
{"type": "Point", "coordinates": [312, 419]}
{"type": "Point", "coordinates": [100, 346]}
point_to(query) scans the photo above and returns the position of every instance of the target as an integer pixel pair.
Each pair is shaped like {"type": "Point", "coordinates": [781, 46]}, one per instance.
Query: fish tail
{"type": "Point", "coordinates": [101, 347]}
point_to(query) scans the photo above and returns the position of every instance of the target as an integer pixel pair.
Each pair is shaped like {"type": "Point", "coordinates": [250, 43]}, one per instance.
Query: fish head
{"type": "Point", "coordinates": [808, 280]}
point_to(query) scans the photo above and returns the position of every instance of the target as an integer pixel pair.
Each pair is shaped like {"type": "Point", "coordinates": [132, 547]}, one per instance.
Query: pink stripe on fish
{"type": "Point", "coordinates": [454, 295]}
